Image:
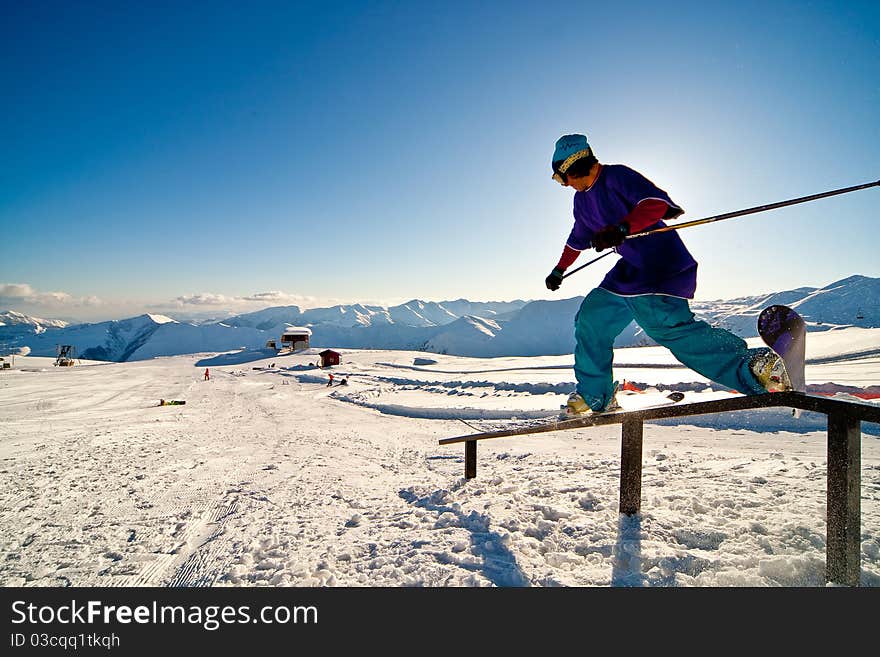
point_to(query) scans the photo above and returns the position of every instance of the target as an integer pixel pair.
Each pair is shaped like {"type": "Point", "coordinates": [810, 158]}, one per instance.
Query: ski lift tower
{"type": "Point", "coordinates": [66, 354]}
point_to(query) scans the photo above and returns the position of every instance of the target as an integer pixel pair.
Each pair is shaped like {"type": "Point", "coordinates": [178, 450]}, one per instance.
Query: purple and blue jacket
{"type": "Point", "coordinates": [659, 264]}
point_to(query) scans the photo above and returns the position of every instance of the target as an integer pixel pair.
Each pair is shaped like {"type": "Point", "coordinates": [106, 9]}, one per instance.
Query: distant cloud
{"type": "Point", "coordinates": [276, 296]}
{"type": "Point", "coordinates": [22, 297]}
{"type": "Point", "coordinates": [202, 300]}
{"type": "Point", "coordinates": [16, 291]}
{"type": "Point", "coordinates": [259, 299]}
{"type": "Point", "coordinates": [22, 293]}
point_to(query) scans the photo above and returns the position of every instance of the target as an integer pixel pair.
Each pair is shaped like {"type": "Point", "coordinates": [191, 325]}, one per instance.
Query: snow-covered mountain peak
{"type": "Point", "coordinates": [161, 319]}
{"type": "Point", "coordinates": [461, 327]}
{"type": "Point", "coordinates": [13, 318]}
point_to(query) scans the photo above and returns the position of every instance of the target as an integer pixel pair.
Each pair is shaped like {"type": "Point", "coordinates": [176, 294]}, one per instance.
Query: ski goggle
{"type": "Point", "coordinates": [559, 172]}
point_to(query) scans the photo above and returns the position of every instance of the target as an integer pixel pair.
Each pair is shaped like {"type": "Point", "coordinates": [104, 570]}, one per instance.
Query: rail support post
{"type": "Point", "coordinates": [843, 510]}
{"type": "Point", "coordinates": [631, 467]}
{"type": "Point", "coordinates": [470, 459]}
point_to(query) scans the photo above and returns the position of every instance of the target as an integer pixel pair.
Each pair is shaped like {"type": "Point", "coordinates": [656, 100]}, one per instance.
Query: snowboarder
{"type": "Point", "coordinates": [330, 382]}
{"type": "Point", "coordinates": [651, 284]}
{"type": "Point", "coordinates": [207, 375]}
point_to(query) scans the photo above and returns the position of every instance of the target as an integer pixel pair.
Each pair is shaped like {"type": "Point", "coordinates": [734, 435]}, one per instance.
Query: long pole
{"type": "Point", "coordinates": [731, 215]}
{"type": "Point", "coordinates": [573, 271]}
{"type": "Point", "coordinates": [755, 210]}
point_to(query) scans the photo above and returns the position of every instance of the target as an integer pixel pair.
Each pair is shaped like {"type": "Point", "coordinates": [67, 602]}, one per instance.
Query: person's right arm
{"type": "Point", "coordinates": [579, 240]}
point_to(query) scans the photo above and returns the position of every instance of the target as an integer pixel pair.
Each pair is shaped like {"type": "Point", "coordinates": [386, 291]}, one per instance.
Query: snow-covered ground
{"type": "Point", "coordinates": [268, 477]}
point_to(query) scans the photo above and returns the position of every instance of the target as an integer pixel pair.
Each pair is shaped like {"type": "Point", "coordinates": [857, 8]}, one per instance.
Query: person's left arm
{"type": "Point", "coordinates": [650, 205]}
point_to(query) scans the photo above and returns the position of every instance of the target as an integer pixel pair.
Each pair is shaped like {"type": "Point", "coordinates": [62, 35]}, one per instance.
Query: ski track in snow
{"type": "Point", "coordinates": [268, 477]}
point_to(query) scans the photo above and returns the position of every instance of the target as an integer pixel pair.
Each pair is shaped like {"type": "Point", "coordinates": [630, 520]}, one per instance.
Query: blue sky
{"type": "Point", "coordinates": [231, 155]}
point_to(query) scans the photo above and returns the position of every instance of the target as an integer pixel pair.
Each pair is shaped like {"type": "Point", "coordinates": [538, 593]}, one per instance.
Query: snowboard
{"type": "Point", "coordinates": [673, 397]}
{"type": "Point", "coordinates": [171, 402]}
{"type": "Point", "coordinates": [785, 332]}
{"type": "Point", "coordinates": [561, 422]}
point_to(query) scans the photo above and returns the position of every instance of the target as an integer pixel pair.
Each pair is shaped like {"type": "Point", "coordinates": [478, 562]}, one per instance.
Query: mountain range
{"type": "Point", "coordinates": [460, 327]}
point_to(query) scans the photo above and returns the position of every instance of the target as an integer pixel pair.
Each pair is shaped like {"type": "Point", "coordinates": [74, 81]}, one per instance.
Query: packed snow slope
{"type": "Point", "coordinates": [461, 327]}
{"type": "Point", "coordinates": [266, 476]}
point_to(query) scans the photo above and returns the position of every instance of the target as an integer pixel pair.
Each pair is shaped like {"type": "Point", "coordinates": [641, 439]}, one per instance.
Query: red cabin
{"type": "Point", "coordinates": [329, 357]}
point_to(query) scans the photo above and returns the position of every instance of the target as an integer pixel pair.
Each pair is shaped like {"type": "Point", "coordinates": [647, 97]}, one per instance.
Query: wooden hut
{"type": "Point", "coordinates": [329, 357]}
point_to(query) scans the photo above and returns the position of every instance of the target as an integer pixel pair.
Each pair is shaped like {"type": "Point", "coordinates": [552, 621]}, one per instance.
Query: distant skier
{"type": "Point", "coordinates": [650, 284]}
{"type": "Point", "coordinates": [207, 375]}
{"type": "Point", "coordinates": [330, 382]}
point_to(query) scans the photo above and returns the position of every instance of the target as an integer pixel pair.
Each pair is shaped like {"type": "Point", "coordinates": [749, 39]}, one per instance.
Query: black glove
{"type": "Point", "coordinates": [554, 280]}
{"type": "Point", "coordinates": [610, 236]}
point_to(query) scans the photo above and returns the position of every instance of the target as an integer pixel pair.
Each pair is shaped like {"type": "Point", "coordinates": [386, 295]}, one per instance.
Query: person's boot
{"type": "Point", "coordinates": [578, 407]}
{"type": "Point", "coordinates": [769, 369]}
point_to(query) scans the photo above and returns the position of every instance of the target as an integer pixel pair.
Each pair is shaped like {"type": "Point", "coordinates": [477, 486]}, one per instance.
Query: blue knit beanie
{"type": "Point", "coordinates": [568, 145]}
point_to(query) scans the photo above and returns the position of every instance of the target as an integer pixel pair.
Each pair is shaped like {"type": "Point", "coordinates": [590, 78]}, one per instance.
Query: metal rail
{"type": "Point", "coordinates": [843, 503]}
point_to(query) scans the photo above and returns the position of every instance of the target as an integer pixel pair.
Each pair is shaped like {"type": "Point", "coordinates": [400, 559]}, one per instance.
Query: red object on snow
{"type": "Point", "coordinates": [860, 395]}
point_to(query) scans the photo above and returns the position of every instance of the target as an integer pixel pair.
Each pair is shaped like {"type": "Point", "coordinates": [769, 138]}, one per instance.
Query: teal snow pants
{"type": "Point", "coordinates": [717, 354]}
